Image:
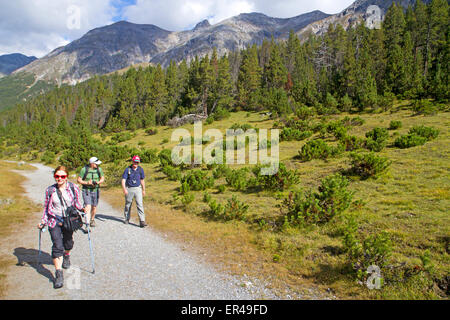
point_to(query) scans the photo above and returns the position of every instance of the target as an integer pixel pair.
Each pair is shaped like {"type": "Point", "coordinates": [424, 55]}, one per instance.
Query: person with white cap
{"type": "Point", "coordinates": [133, 185]}
{"type": "Point", "coordinates": [91, 177]}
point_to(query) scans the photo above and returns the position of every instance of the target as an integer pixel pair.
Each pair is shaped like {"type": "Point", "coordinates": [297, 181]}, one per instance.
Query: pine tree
{"type": "Point", "coordinates": [249, 80]}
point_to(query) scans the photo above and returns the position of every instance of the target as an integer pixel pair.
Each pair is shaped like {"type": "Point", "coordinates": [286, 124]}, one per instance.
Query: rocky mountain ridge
{"type": "Point", "coordinates": [13, 61]}
{"type": "Point", "coordinates": [107, 49]}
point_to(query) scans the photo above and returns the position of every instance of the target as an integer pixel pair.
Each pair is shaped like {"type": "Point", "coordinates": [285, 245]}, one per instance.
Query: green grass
{"type": "Point", "coordinates": [15, 208]}
{"type": "Point", "coordinates": [17, 87]}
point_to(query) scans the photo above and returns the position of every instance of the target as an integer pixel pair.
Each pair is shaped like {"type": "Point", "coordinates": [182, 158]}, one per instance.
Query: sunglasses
{"type": "Point", "coordinates": [58, 176]}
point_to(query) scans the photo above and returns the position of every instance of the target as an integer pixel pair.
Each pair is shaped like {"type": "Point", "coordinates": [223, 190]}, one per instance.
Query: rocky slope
{"type": "Point", "coordinates": [110, 48]}
{"type": "Point", "coordinates": [114, 47]}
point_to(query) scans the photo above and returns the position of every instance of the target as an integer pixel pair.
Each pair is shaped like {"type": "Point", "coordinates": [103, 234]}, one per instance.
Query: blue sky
{"type": "Point", "coordinates": [36, 27]}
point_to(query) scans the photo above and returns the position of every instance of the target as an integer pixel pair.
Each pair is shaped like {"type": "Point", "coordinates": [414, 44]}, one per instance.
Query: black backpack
{"type": "Point", "coordinates": [86, 168]}
{"type": "Point", "coordinates": [72, 220]}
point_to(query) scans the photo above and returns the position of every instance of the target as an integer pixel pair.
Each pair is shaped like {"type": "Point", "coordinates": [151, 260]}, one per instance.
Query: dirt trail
{"type": "Point", "coordinates": [130, 262]}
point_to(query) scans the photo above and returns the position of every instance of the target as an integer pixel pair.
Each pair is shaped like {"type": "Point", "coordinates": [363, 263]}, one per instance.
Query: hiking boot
{"type": "Point", "coordinates": [142, 224]}
{"type": "Point", "coordinates": [66, 261]}
{"type": "Point", "coordinates": [92, 224]}
{"type": "Point", "coordinates": [59, 279]}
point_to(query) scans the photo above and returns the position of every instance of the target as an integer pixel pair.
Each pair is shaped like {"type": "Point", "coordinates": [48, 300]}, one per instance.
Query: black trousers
{"type": "Point", "coordinates": [61, 239]}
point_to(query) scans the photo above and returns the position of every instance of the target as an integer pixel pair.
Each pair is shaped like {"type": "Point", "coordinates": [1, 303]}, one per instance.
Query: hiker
{"type": "Point", "coordinates": [133, 185]}
{"type": "Point", "coordinates": [91, 177]}
{"type": "Point", "coordinates": [62, 239]}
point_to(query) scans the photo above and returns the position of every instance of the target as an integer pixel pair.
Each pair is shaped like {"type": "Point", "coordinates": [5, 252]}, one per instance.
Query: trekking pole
{"type": "Point", "coordinates": [90, 244]}
{"type": "Point", "coordinates": [39, 253]}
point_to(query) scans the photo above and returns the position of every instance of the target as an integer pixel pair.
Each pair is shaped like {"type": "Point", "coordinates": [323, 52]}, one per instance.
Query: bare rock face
{"type": "Point", "coordinates": [110, 48]}
{"type": "Point", "coordinates": [122, 44]}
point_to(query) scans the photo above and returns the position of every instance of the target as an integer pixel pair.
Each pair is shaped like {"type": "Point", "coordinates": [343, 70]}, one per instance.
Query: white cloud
{"type": "Point", "coordinates": [36, 27]}
{"type": "Point", "coordinates": [176, 15]}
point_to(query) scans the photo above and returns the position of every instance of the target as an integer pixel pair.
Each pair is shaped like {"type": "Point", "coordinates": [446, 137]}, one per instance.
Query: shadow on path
{"type": "Point", "coordinates": [103, 217]}
{"type": "Point", "coordinates": [30, 257]}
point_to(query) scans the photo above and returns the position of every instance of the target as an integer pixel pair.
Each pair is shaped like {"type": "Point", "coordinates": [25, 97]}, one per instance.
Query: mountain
{"type": "Point", "coordinates": [371, 12]}
{"type": "Point", "coordinates": [14, 61]}
{"type": "Point", "coordinates": [120, 45]}
{"type": "Point", "coordinates": [110, 48]}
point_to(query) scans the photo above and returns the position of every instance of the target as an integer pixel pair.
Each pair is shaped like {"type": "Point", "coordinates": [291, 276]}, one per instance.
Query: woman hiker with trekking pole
{"type": "Point", "coordinates": [57, 197]}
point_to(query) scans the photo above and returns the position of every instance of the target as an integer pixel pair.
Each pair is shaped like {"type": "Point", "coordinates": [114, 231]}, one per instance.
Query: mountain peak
{"type": "Point", "coordinates": [201, 25]}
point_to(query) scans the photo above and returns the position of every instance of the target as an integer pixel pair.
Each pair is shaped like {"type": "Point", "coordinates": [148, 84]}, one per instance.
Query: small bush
{"type": "Point", "coordinates": [310, 207]}
{"type": "Point", "coordinates": [289, 134]}
{"type": "Point", "coordinates": [238, 179]}
{"type": "Point", "coordinates": [318, 149]}
{"type": "Point", "coordinates": [151, 131]}
{"type": "Point", "coordinates": [429, 133]}
{"type": "Point", "coordinates": [233, 210]}
{"type": "Point", "coordinates": [165, 157]}
{"type": "Point", "coordinates": [377, 139]}
{"type": "Point", "coordinates": [424, 107]}
{"type": "Point", "coordinates": [395, 124]}
{"type": "Point", "coordinates": [222, 170]}
{"type": "Point", "coordinates": [220, 114]}
{"type": "Point", "coordinates": [149, 156]}
{"type": "Point", "coordinates": [364, 252]}
{"type": "Point", "coordinates": [368, 165]}
{"type": "Point", "coordinates": [206, 197]}
{"type": "Point", "coordinates": [197, 180]}
{"type": "Point", "coordinates": [187, 198]}
{"type": "Point", "coordinates": [276, 182]}
{"type": "Point", "coordinates": [351, 143]}
{"type": "Point", "coordinates": [409, 141]}
{"type": "Point", "coordinates": [121, 137]}
{"type": "Point", "coordinates": [172, 173]}
{"type": "Point", "coordinates": [48, 157]}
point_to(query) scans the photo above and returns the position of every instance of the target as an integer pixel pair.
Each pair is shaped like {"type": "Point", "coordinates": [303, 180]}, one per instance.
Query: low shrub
{"type": "Point", "coordinates": [409, 141]}
{"type": "Point", "coordinates": [377, 139]}
{"type": "Point", "coordinates": [221, 171]}
{"type": "Point", "coordinates": [151, 131]}
{"type": "Point", "coordinates": [363, 252]}
{"type": "Point", "coordinates": [368, 165]}
{"type": "Point", "coordinates": [48, 157]}
{"type": "Point", "coordinates": [395, 124]}
{"type": "Point", "coordinates": [238, 179]}
{"type": "Point", "coordinates": [429, 133]}
{"type": "Point", "coordinates": [424, 107]}
{"type": "Point", "coordinates": [318, 149]}
{"type": "Point", "coordinates": [351, 143]}
{"type": "Point", "coordinates": [197, 180]}
{"type": "Point", "coordinates": [280, 181]}
{"type": "Point", "coordinates": [320, 207]}
{"type": "Point", "coordinates": [172, 173]}
{"type": "Point", "coordinates": [233, 210]}
{"type": "Point", "coordinates": [289, 134]}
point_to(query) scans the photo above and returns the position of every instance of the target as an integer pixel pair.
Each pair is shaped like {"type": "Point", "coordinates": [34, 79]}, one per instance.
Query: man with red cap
{"type": "Point", "coordinates": [133, 185]}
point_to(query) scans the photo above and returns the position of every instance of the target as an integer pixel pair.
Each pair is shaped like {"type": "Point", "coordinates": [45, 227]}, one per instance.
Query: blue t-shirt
{"type": "Point", "coordinates": [133, 177]}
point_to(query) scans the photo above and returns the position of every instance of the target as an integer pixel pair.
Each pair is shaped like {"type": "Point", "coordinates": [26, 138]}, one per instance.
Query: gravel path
{"type": "Point", "coordinates": [130, 262]}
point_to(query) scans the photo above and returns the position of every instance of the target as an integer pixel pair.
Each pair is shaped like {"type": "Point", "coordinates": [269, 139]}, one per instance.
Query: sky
{"type": "Point", "coordinates": [36, 27]}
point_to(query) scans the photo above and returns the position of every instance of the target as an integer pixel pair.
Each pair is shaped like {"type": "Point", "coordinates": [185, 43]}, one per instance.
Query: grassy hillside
{"type": "Point", "coordinates": [15, 208]}
{"type": "Point", "coordinates": [410, 202]}
{"type": "Point", "coordinates": [17, 87]}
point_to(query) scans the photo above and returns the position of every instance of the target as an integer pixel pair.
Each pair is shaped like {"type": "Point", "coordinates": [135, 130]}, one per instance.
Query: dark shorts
{"type": "Point", "coordinates": [91, 197]}
{"type": "Point", "coordinates": [61, 239]}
